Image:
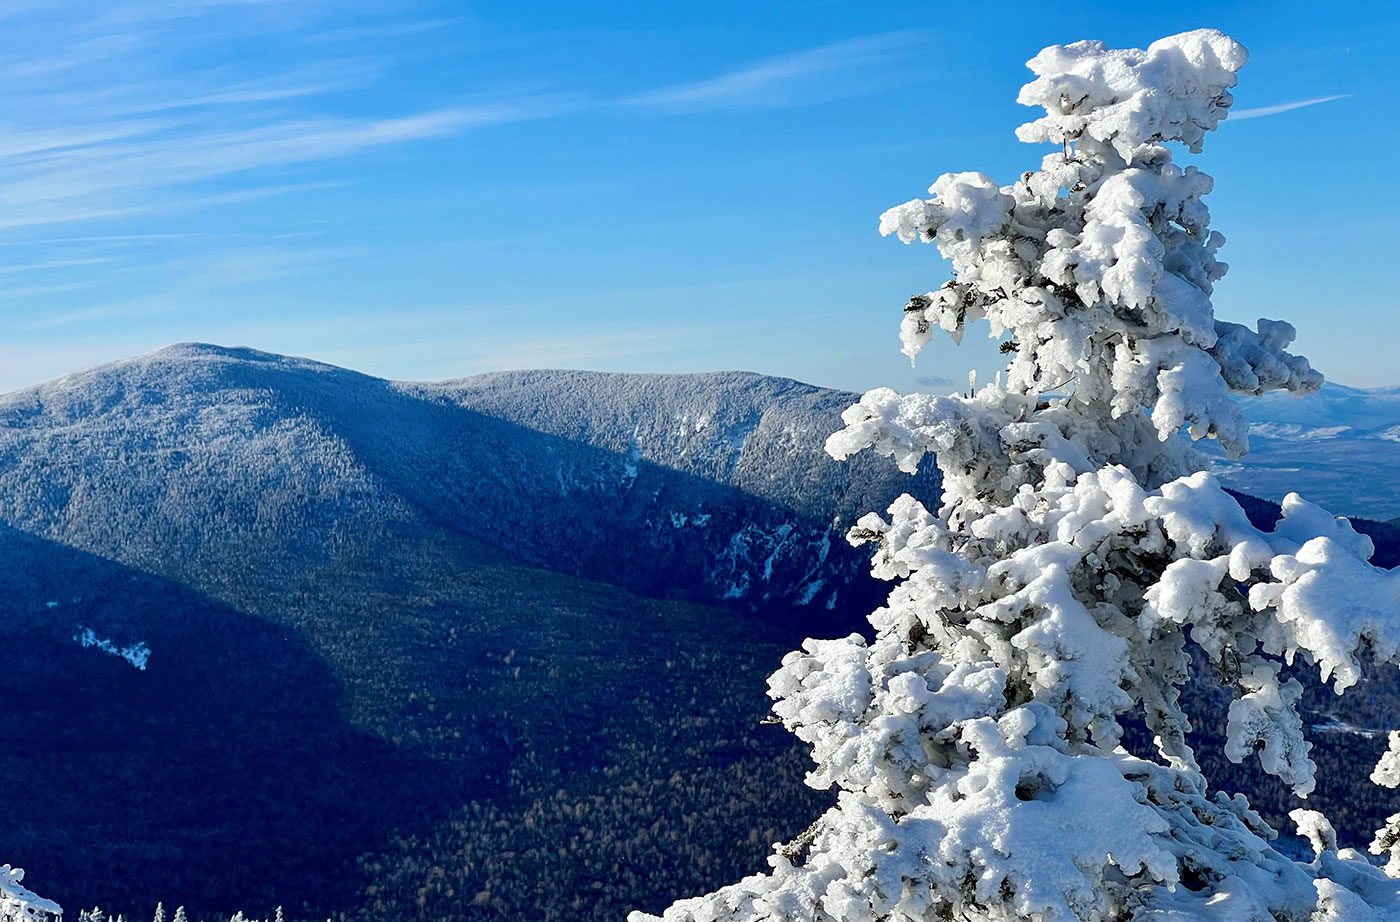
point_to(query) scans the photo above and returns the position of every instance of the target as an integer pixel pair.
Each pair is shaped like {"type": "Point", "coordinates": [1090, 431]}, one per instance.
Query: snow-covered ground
{"type": "Point", "coordinates": [1339, 448]}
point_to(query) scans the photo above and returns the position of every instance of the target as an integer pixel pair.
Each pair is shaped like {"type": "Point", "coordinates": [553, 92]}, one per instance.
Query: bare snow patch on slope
{"type": "Point", "coordinates": [136, 654]}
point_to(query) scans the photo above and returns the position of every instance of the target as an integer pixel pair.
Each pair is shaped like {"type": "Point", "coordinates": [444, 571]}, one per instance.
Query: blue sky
{"type": "Point", "coordinates": [427, 190]}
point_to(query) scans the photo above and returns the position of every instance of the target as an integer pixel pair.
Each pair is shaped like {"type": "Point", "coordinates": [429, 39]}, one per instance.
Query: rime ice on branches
{"type": "Point", "coordinates": [1080, 545]}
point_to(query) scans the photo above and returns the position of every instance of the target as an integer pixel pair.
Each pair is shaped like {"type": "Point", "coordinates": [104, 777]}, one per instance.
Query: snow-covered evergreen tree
{"type": "Point", "coordinates": [1080, 545]}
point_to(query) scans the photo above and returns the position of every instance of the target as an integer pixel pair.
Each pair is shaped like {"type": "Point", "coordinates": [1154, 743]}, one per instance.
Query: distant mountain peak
{"type": "Point", "coordinates": [711, 486]}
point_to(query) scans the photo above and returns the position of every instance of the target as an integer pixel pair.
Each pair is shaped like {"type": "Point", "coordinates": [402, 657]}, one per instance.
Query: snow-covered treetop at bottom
{"type": "Point", "coordinates": [18, 903]}
{"type": "Point", "coordinates": [976, 744]}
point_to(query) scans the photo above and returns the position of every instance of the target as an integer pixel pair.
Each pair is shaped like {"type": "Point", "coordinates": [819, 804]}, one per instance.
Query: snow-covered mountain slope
{"type": "Point", "coordinates": [194, 457]}
{"type": "Point", "coordinates": [1339, 448]}
{"type": "Point", "coordinates": [760, 434]}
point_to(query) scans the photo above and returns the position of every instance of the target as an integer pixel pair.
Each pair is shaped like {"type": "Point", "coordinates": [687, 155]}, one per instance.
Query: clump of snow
{"type": "Point", "coordinates": [1176, 90]}
{"type": "Point", "coordinates": [1387, 772]}
{"type": "Point", "coordinates": [137, 654]}
{"type": "Point", "coordinates": [1079, 549]}
{"type": "Point", "coordinates": [18, 902]}
{"type": "Point", "coordinates": [1316, 828]}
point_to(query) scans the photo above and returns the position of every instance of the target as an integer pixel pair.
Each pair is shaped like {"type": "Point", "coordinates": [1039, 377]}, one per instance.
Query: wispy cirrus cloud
{"type": "Point", "coordinates": [116, 151]}
{"type": "Point", "coordinates": [172, 135]}
{"type": "Point", "coordinates": [85, 172]}
{"type": "Point", "coordinates": [227, 266]}
{"type": "Point", "coordinates": [813, 75]}
{"type": "Point", "coordinates": [379, 31]}
{"type": "Point", "coordinates": [1261, 111]}
{"type": "Point", "coordinates": [119, 131]}
{"type": "Point", "coordinates": [32, 290]}
{"type": "Point", "coordinates": [55, 264]}
{"type": "Point", "coordinates": [294, 87]}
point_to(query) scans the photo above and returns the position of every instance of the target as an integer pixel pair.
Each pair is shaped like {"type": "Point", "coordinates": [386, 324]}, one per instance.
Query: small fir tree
{"type": "Point", "coordinates": [1080, 549]}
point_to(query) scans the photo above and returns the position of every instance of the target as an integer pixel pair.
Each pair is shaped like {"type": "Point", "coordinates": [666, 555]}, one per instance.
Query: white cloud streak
{"type": "Point", "coordinates": [380, 31]}
{"type": "Point", "coordinates": [55, 264]}
{"type": "Point", "coordinates": [1261, 111]}
{"type": "Point", "coordinates": [790, 79]}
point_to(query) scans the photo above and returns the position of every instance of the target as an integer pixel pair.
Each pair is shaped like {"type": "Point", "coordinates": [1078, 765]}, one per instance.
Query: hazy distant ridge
{"type": "Point", "coordinates": [1339, 447]}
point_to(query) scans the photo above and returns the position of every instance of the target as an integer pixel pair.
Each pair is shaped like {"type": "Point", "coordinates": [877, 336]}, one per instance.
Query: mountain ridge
{"type": "Point", "coordinates": [361, 433]}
